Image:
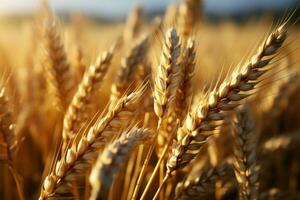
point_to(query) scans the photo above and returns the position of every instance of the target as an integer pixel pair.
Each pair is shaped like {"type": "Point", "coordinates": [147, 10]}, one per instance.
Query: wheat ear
{"type": "Point", "coordinates": [189, 14]}
{"type": "Point", "coordinates": [133, 24]}
{"type": "Point", "coordinates": [112, 158]}
{"type": "Point", "coordinates": [170, 16]}
{"type": "Point", "coordinates": [88, 85]}
{"type": "Point", "coordinates": [174, 84]}
{"type": "Point", "coordinates": [128, 69]}
{"type": "Point", "coordinates": [9, 140]}
{"type": "Point", "coordinates": [199, 124]}
{"type": "Point", "coordinates": [7, 132]}
{"type": "Point", "coordinates": [245, 166]}
{"type": "Point", "coordinates": [201, 185]}
{"type": "Point", "coordinates": [283, 92]}
{"type": "Point", "coordinates": [179, 93]}
{"type": "Point", "coordinates": [58, 71]}
{"type": "Point", "coordinates": [163, 79]}
{"type": "Point", "coordinates": [81, 63]}
{"type": "Point", "coordinates": [81, 153]}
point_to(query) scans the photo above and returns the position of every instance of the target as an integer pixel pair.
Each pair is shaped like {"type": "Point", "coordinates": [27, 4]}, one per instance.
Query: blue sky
{"type": "Point", "coordinates": [118, 8]}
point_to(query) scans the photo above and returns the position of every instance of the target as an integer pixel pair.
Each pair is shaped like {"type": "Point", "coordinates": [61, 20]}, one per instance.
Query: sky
{"type": "Point", "coordinates": [119, 8]}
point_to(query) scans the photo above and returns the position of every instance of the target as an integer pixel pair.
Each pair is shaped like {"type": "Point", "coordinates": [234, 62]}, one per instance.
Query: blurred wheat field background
{"type": "Point", "coordinates": [168, 107]}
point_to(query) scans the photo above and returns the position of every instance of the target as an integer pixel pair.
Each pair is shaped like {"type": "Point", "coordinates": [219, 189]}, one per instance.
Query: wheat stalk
{"type": "Point", "coordinates": [113, 157]}
{"type": "Point", "coordinates": [162, 92]}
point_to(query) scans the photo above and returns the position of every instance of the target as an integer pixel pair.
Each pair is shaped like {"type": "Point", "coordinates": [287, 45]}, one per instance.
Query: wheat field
{"type": "Point", "coordinates": [172, 107]}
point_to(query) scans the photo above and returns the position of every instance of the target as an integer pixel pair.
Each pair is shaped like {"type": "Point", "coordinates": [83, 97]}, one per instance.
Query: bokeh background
{"type": "Point", "coordinates": [118, 9]}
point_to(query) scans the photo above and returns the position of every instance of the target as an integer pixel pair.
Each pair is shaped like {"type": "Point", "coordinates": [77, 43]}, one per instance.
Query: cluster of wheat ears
{"type": "Point", "coordinates": [139, 122]}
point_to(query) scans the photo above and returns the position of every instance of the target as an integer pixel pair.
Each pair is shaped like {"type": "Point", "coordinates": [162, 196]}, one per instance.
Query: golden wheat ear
{"type": "Point", "coordinates": [133, 25]}
{"type": "Point", "coordinates": [184, 92]}
{"type": "Point", "coordinates": [128, 69]}
{"type": "Point", "coordinates": [8, 135]}
{"type": "Point", "coordinates": [83, 149]}
{"type": "Point", "coordinates": [170, 16]}
{"type": "Point", "coordinates": [202, 184]}
{"type": "Point", "coordinates": [199, 124]}
{"type": "Point", "coordinates": [57, 67]}
{"type": "Point", "coordinates": [89, 84]}
{"type": "Point", "coordinates": [9, 140]}
{"type": "Point", "coordinates": [245, 163]}
{"type": "Point", "coordinates": [189, 16]}
{"type": "Point", "coordinates": [163, 78]}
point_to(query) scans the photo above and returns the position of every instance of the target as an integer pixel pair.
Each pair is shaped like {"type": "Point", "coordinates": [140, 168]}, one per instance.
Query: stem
{"type": "Point", "coordinates": [14, 171]}
{"type": "Point", "coordinates": [87, 188]}
{"type": "Point", "coordinates": [74, 190]}
{"type": "Point", "coordinates": [129, 174]}
{"type": "Point", "coordinates": [17, 181]}
{"type": "Point", "coordinates": [156, 167]}
{"type": "Point", "coordinates": [139, 181]}
{"type": "Point", "coordinates": [161, 186]}
{"type": "Point", "coordinates": [95, 193]}
{"type": "Point", "coordinates": [168, 190]}
{"type": "Point", "coordinates": [161, 177]}
{"type": "Point", "coordinates": [148, 156]}
{"type": "Point", "coordinates": [136, 172]}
